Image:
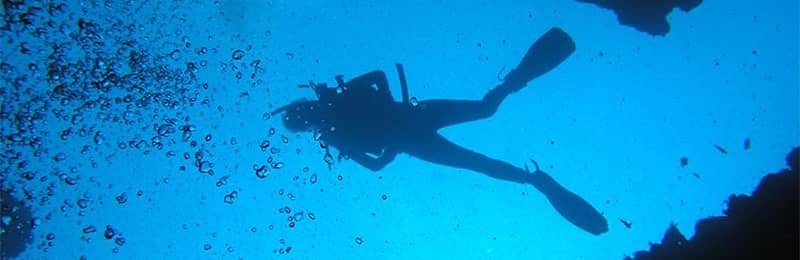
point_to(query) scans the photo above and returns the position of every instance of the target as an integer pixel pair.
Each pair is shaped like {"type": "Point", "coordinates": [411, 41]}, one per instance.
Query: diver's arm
{"type": "Point", "coordinates": [376, 77]}
{"type": "Point", "coordinates": [374, 164]}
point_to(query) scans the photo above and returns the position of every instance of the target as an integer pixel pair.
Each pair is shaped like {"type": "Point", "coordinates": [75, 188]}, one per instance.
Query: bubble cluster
{"type": "Point", "coordinates": [95, 83]}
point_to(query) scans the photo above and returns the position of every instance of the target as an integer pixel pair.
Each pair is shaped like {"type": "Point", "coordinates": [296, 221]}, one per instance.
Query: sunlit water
{"type": "Point", "coordinates": [141, 129]}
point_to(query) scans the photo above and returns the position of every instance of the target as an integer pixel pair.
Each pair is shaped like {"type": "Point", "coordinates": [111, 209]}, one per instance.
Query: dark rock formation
{"type": "Point", "coordinates": [763, 225]}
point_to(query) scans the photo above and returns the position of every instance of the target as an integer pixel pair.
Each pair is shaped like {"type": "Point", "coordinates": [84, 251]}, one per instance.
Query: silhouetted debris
{"type": "Point", "coordinates": [720, 149]}
{"type": "Point", "coordinates": [761, 226]}
{"type": "Point", "coordinates": [747, 144]}
{"type": "Point", "coordinates": [684, 161]}
{"type": "Point", "coordinates": [646, 16]}
{"type": "Point", "coordinates": [626, 223]}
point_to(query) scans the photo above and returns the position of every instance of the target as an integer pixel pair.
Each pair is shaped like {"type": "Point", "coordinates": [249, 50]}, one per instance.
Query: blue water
{"type": "Point", "coordinates": [99, 121]}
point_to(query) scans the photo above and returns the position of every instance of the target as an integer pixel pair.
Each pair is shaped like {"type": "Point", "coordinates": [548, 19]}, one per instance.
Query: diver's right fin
{"type": "Point", "coordinates": [550, 50]}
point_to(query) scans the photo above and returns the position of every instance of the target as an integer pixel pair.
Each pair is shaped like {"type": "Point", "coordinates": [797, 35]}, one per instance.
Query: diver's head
{"type": "Point", "coordinates": [301, 116]}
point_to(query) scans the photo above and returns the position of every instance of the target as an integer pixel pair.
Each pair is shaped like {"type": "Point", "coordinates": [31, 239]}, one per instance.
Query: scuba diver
{"type": "Point", "coordinates": [361, 119]}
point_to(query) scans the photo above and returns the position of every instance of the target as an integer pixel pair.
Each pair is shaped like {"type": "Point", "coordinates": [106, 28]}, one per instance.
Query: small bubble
{"type": "Point", "coordinates": [60, 157]}
{"type": "Point", "coordinates": [120, 241]}
{"type": "Point", "coordinates": [359, 240]}
{"type": "Point", "coordinates": [206, 166]}
{"type": "Point", "coordinates": [70, 181]}
{"type": "Point", "coordinates": [298, 216]}
{"type": "Point", "coordinates": [328, 158]}
{"type": "Point", "coordinates": [262, 172]}
{"type": "Point", "coordinates": [291, 224]}
{"type": "Point", "coordinates": [109, 233]}
{"type": "Point", "coordinates": [51, 236]}
{"type": "Point", "coordinates": [98, 138]}
{"type": "Point", "coordinates": [207, 247]}
{"type": "Point", "coordinates": [122, 198]}
{"type": "Point", "coordinates": [311, 216]}
{"type": "Point", "coordinates": [237, 55]}
{"type": "Point", "coordinates": [83, 203]}
{"type": "Point", "coordinates": [313, 178]}
{"type": "Point", "coordinates": [277, 165]}
{"type": "Point", "coordinates": [89, 229]}
{"type": "Point", "coordinates": [264, 145]}
{"type": "Point", "coordinates": [339, 177]}
{"type": "Point", "coordinates": [414, 102]}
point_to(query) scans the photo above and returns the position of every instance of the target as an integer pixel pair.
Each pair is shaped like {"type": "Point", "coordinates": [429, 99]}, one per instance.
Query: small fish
{"type": "Point", "coordinates": [626, 223]}
{"type": "Point", "coordinates": [747, 143]}
{"type": "Point", "coordinates": [722, 150]}
{"type": "Point", "coordinates": [696, 175]}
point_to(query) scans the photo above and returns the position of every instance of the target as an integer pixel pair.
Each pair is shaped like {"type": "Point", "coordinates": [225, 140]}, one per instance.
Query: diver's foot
{"type": "Point", "coordinates": [496, 96]}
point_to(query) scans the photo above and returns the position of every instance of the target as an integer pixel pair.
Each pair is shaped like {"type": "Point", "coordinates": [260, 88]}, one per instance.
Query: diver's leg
{"type": "Point", "coordinates": [440, 113]}
{"type": "Point", "coordinates": [436, 149]}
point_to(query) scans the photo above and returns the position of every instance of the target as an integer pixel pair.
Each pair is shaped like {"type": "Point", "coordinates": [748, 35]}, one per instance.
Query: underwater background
{"type": "Point", "coordinates": [141, 129]}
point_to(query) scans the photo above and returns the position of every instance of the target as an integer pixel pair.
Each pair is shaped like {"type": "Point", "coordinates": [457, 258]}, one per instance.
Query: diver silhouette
{"type": "Point", "coordinates": [361, 119]}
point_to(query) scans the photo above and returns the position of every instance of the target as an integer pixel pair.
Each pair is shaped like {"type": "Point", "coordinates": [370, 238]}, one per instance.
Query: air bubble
{"type": "Point", "coordinates": [205, 166]}
{"type": "Point", "coordinates": [414, 101]}
{"type": "Point", "coordinates": [298, 216]}
{"type": "Point", "coordinates": [122, 198]}
{"type": "Point", "coordinates": [89, 229]}
{"type": "Point", "coordinates": [109, 233]}
{"type": "Point", "coordinates": [277, 165]}
{"type": "Point", "coordinates": [328, 158]}
{"type": "Point", "coordinates": [120, 241]}
{"type": "Point", "coordinates": [98, 138]}
{"type": "Point", "coordinates": [237, 55]}
{"type": "Point", "coordinates": [262, 172]}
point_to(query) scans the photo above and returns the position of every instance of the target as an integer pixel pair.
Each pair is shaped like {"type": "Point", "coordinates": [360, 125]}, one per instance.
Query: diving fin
{"type": "Point", "coordinates": [550, 50]}
{"type": "Point", "coordinates": [569, 205]}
